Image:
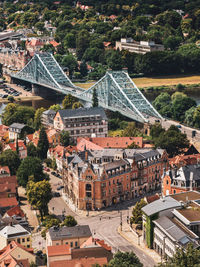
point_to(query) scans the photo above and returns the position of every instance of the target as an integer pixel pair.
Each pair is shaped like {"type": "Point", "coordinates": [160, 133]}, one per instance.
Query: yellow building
{"type": "Point", "coordinates": [73, 236]}
{"type": "Point", "coordinates": [15, 233]}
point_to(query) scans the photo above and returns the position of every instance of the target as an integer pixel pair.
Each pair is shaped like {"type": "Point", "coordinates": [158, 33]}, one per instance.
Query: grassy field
{"type": "Point", "coordinates": [156, 81]}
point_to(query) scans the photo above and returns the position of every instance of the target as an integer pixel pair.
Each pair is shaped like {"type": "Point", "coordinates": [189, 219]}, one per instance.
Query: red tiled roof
{"type": "Point", "coordinates": [150, 199]}
{"type": "Point", "coordinates": [106, 44]}
{"type": "Point", "coordinates": [54, 43]}
{"type": "Point", "coordinates": [83, 262]}
{"type": "Point", "coordinates": [83, 143]}
{"type": "Point", "coordinates": [8, 187]}
{"type": "Point", "coordinates": [58, 250]}
{"type": "Point", "coordinates": [15, 211]}
{"type": "Point", "coordinates": [96, 241]}
{"type": "Point", "coordinates": [8, 202]}
{"type": "Point", "coordinates": [115, 142]}
{"type": "Point", "coordinates": [35, 42]}
{"type": "Point", "coordinates": [9, 179]}
{"type": "Point", "coordinates": [20, 145]}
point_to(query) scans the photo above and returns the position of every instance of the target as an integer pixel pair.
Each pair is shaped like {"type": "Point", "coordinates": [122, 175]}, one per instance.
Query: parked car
{"type": "Point", "coordinates": [53, 173]}
{"type": "Point", "coordinates": [60, 187]}
{"type": "Point", "coordinates": [55, 194]}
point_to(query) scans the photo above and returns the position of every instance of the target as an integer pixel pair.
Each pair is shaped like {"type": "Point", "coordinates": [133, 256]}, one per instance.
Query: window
{"type": "Point", "coordinates": [88, 130]}
{"type": "Point", "coordinates": [174, 191]}
{"type": "Point", "coordinates": [78, 131]}
{"type": "Point", "coordinates": [66, 243]}
{"type": "Point", "coordinates": [18, 240]}
{"type": "Point", "coordinates": [93, 130]}
{"type": "Point", "coordinates": [72, 132]}
{"type": "Point", "coordinates": [28, 239]}
{"type": "Point", "coordinates": [101, 130]}
{"type": "Point", "coordinates": [167, 182]}
{"type": "Point", "coordinates": [71, 244]}
{"type": "Point", "coordinates": [57, 244]}
{"type": "Point", "coordinates": [76, 244]}
{"type": "Point", "coordinates": [88, 194]}
{"type": "Point", "coordinates": [28, 246]}
{"type": "Point", "coordinates": [88, 187]}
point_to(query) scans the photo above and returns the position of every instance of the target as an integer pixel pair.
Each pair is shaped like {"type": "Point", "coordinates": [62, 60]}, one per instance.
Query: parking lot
{"type": "Point", "coordinates": [14, 90]}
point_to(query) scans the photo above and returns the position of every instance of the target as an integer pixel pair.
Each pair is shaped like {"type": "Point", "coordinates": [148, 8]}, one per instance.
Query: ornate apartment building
{"type": "Point", "coordinates": [99, 178]}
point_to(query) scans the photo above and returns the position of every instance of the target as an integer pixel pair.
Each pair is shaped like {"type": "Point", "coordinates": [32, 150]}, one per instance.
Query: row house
{"type": "Point", "coordinates": [82, 122]}
{"type": "Point", "coordinates": [13, 59]}
{"type": "Point", "coordinates": [21, 148]}
{"type": "Point", "coordinates": [97, 179]}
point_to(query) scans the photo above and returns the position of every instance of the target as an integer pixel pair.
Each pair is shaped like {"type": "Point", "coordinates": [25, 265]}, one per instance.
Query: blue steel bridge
{"type": "Point", "coordinates": [116, 91]}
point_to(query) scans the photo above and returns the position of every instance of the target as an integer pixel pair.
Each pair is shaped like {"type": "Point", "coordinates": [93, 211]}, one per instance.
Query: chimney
{"type": "Point", "coordinates": [191, 180]}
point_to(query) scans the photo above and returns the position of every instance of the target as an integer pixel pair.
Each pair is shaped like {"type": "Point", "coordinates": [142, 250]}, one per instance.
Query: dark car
{"type": "Point", "coordinates": [56, 194]}
{"type": "Point", "coordinates": [53, 173]}
{"type": "Point", "coordinates": [60, 187]}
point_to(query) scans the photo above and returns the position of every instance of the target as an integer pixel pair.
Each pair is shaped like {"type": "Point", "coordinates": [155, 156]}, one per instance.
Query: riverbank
{"type": "Point", "coordinates": [22, 99]}
{"type": "Point", "coordinates": [156, 81]}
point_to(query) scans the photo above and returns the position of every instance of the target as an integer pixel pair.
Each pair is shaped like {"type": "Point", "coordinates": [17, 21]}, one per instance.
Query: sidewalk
{"type": "Point", "coordinates": [82, 213]}
{"type": "Point", "coordinates": [132, 238]}
{"type": "Point", "coordinates": [25, 206]}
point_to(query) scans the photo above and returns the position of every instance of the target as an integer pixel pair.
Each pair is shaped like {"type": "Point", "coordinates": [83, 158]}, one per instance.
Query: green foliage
{"type": "Point", "coordinates": [11, 99]}
{"type": "Point", "coordinates": [156, 130]}
{"type": "Point", "coordinates": [55, 107]}
{"type": "Point", "coordinates": [149, 229]}
{"type": "Point", "coordinates": [64, 138]}
{"type": "Point", "coordinates": [43, 144]}
{"type": "Point", "coordinates": [70, 62]}
{"type": "Point", "coordinates": [77, 105]}
{"type": "Point", "coordinates": [53, 164]}
{"type": "Point", "coordinates": [30, 166]}
{"type": "Point", "coordinates": [95, 101]}
{"type": "Point", "coordinates": [39, 194]}
{"type": "Point", "coordinates": [48, 162]}
{"type": "Point", "coordinates": [69, 221]}
{"type": "Point", "coordinates": [137, 212]}
{"type": "Point", "coordinates": [11, 159]}
{"type": "Point", "coordinates": [172, 140]}
{"type": "Point", "coordinates": [37, 118]}
{"type": "Point", "coordinates": [16, 113]}
{"type": "Point", "coordinates": [31, 150]}
{"type": "Point", "coordinates": [68, 101]}
{"type": "Point", "coordinates": [125, 259]}
{"type": "Point", "coordinates": [184, 257]}
{"type": "Point", "coordinates": [131, 130]}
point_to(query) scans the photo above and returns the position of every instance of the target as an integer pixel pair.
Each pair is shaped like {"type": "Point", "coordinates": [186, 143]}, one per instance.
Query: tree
{"type": "Point", "coordinates": [173, 141]}
{"type": "Point", "coordinates": [131, 130]}
{"type": "Point", "coordinates": [43, 144]}
{"type": "Point", "coordinates": [69, 221]}
{"type": "Point", "coordinates": [137, 212]}
{"type": "Point", "coordinates": [31, 150]}
{"type": "Point", "coordinates": [114, 60]}
{"type": "Point", "coordinates": [30, 167]}
{"type": "Point", "coordinates": [55, 107]}
{"type": "Point", "coordinates": [172, 42]}
{"type": "Point", "coordinates": [156, 130]}
{"type": "Point", "coordinates": [183, 257]}
{"type": "Point", "coordinates": [70, 41]}
{"type": "Point", "coordinates": [161, 101]}
{"type": "Point", "coordinates": [77, 105]}
{"type": "Point", "coordinates": [37, 118]}
{"type": "Point", "coordinates": [11, 159]}
{"type": "Point", "coordinates": [39, 26]}
{"type": "Point", "coordinates": [39, 194]}
{"type": "Point", "coordinates": [68, 101]}
{"type": "Point", "coordinates": [125, 259]}
{"type": "Point", "coordinates": [70, 62]}
{"type": "Point", "coordinates": [95, 100]}
{"type": "Point", "coordinates": [53, 164]}
{"type": "Point", "coordinates": [83, 69]}
{"type": "Point", "coordinates": [16, 113]}
{"type": "Point", "coordinates": [82, 43]}
{"type": "Point", "coordinates": [64, 138]}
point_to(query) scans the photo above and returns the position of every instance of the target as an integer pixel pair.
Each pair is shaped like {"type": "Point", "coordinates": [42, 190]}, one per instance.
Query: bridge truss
{"type": "Point", "coordinates": [116, 91]}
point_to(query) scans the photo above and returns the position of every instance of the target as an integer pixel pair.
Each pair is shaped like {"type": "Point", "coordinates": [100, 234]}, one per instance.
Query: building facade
{"type": "Point", "coordinates": [82, 122]}
{"type": "Point", "coordinates": [141, 47]}
{"type": "Point", "coordinates": [97, 179]}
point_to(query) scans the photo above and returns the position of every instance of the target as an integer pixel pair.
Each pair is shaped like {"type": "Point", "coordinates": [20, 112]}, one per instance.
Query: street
{"type": "Point", "coordinates": [104, 224]}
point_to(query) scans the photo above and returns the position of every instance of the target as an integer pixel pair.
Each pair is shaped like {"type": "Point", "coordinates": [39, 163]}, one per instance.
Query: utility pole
{"type": "Point", "coordinates": [121, 220]}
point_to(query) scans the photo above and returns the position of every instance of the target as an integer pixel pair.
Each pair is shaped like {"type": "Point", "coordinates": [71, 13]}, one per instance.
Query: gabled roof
{"type": "Point", "coordinates": [83, 262]}
{"type": "Point", "coordinates": [82, 112]}
{"type": "Point", "coordinates": [11, 230]}
{"type": "Point", "coordinates": [58, 250]}
{"type": "Point", "coordinates": [17, 125]}
{"type": "Point", "coordinates": [15, 211]}
{"type": "Point", "coordinates": [49, 112]}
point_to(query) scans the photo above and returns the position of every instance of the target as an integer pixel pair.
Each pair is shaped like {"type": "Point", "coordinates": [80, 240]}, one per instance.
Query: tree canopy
{"type": "Point", "coordinates": [125, 259]}
{"type": "Point", "coordinates": [43, 144]}
{"type": "Point", "coordinates": [11, 159]}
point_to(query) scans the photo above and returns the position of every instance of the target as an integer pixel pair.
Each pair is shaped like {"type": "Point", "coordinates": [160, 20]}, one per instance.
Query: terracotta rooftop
{"type": "Point", "coordinates": [116, 142]}
{"type": "Point", "coordinates": [185, 196]}
{"type": "Point", "coordinates": [58, 250]}
{"type": "Point", "coordinates": [83, 143]}
{"type": "Point", "coordinates": [90, 241]}
{"type": "Point", "coordinates": [9, 179]}
{"type": "Point", "coordinates": [150, 199]}
{"type": "Point", "coordinates": [15, 211]}
{"type": "Point", "coordinates": [8, 202]}
{"type": "Point", "coordinates": [83, 262]}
